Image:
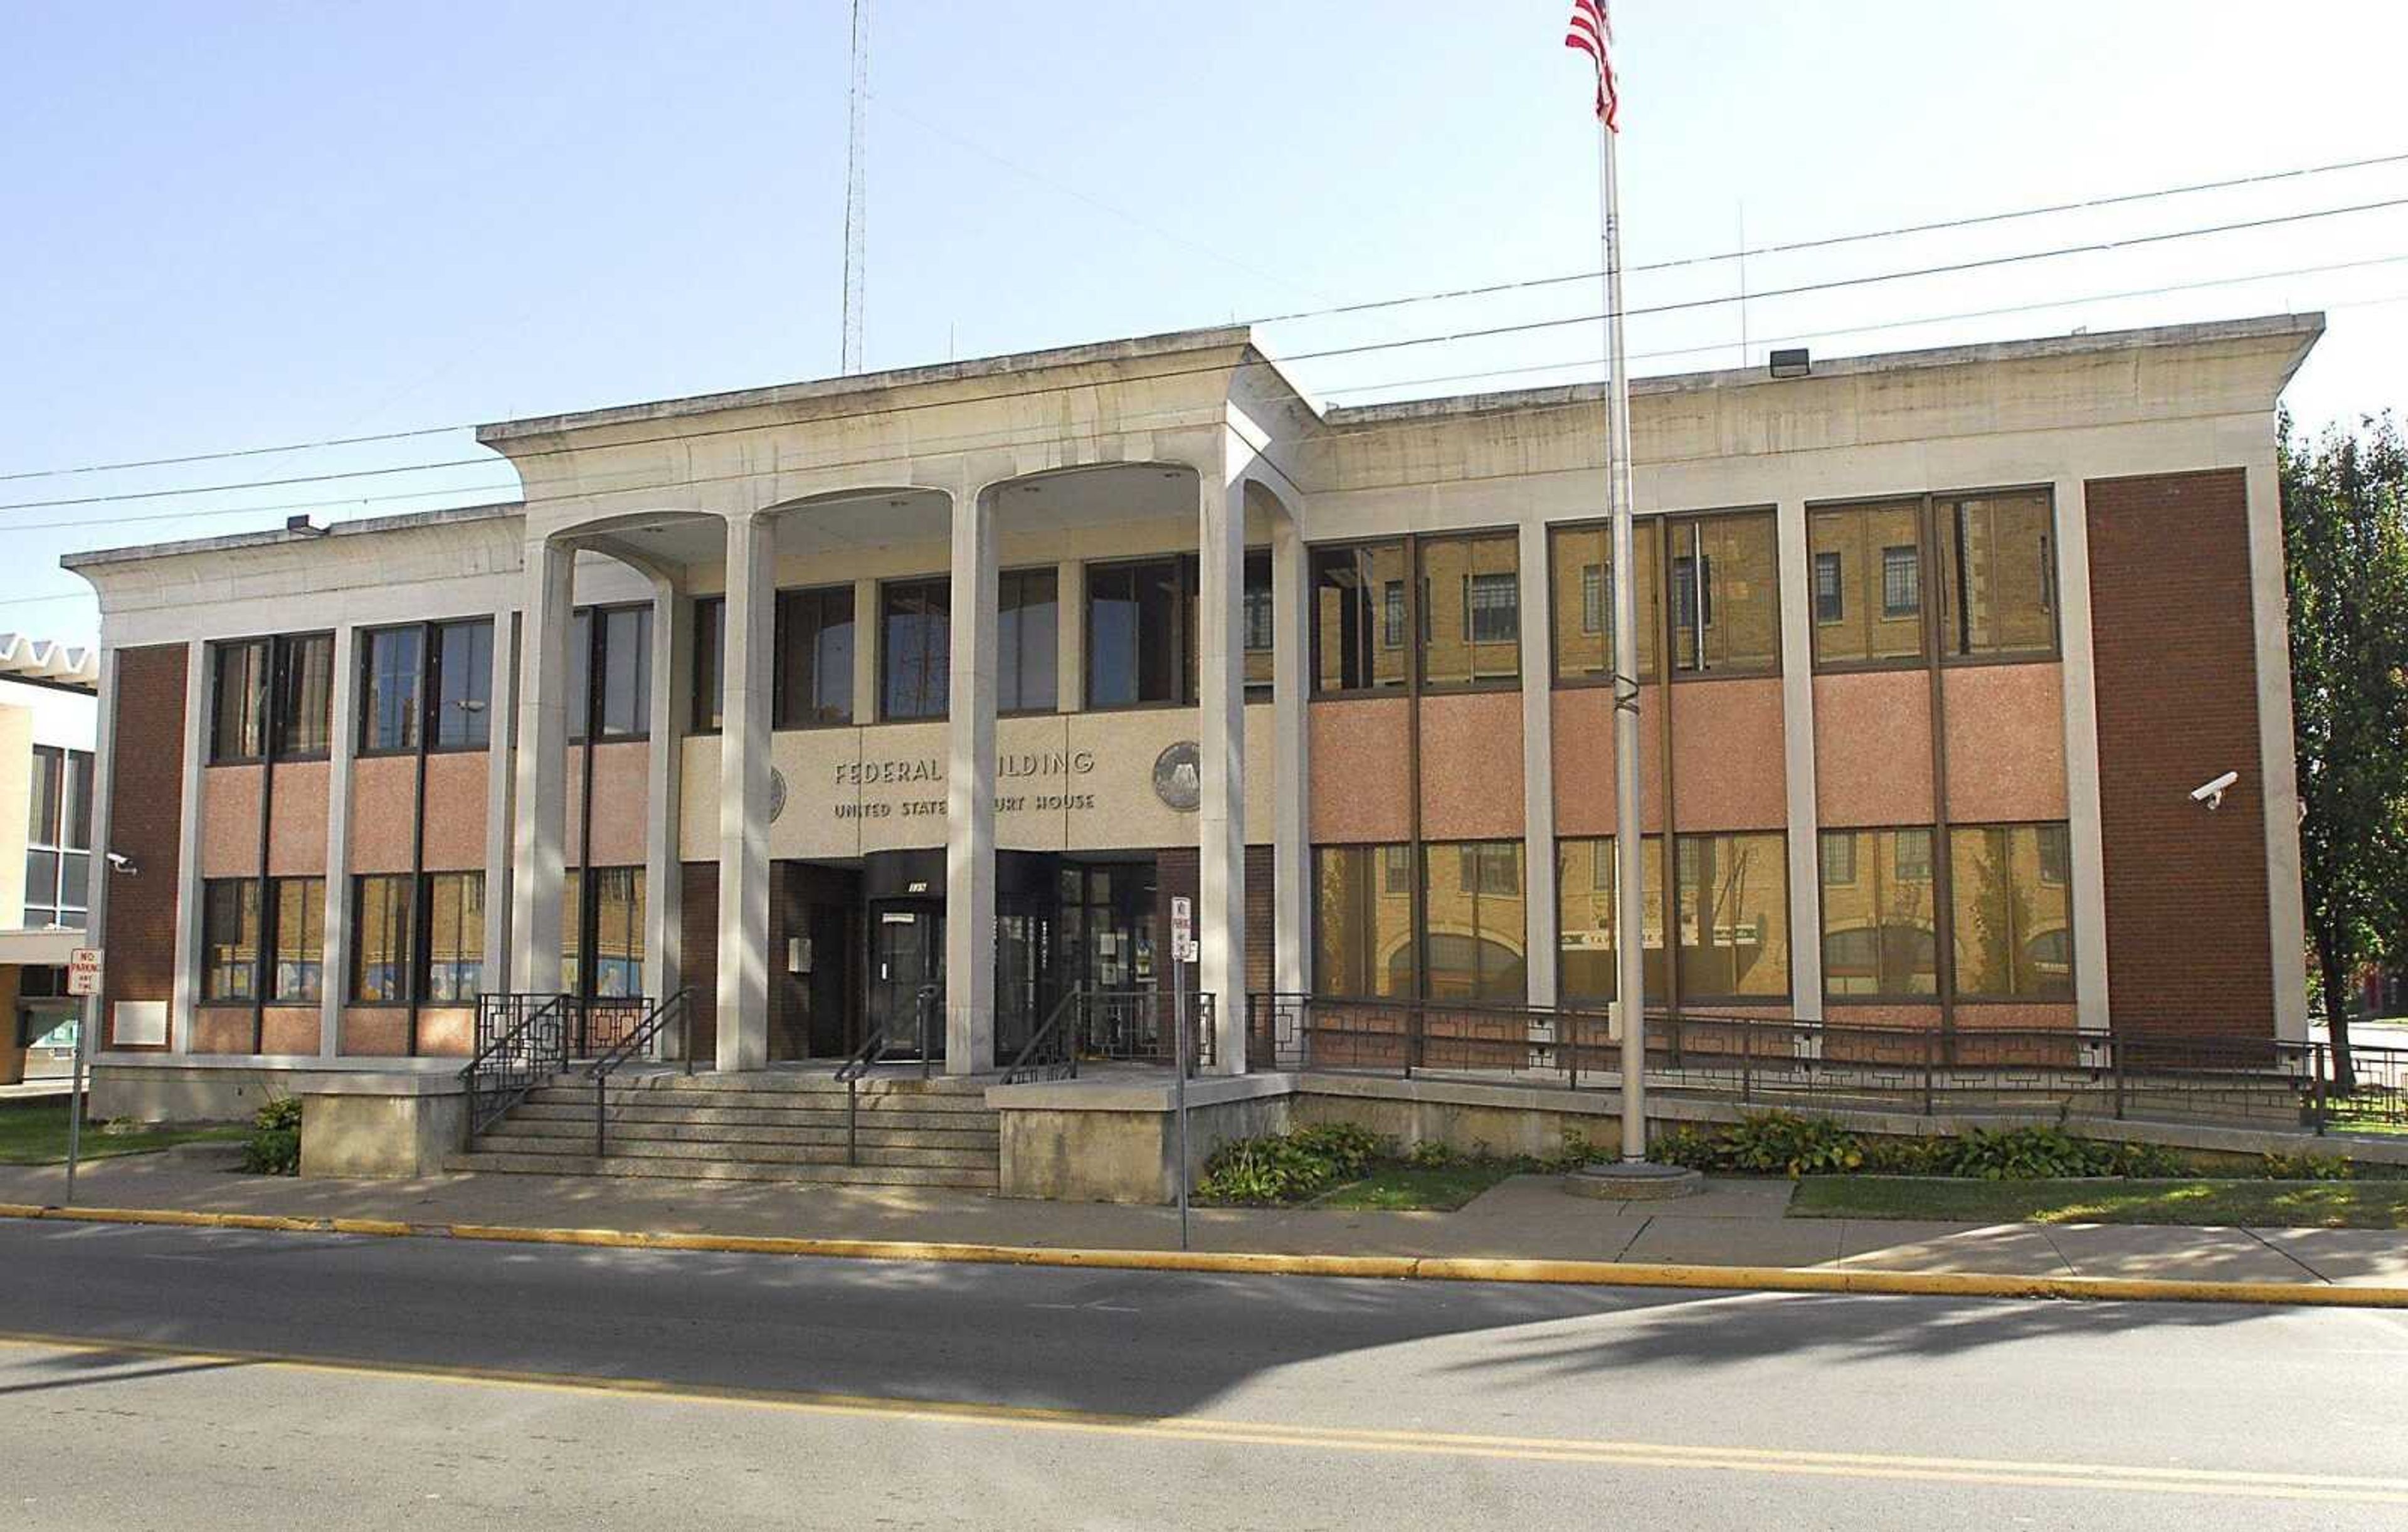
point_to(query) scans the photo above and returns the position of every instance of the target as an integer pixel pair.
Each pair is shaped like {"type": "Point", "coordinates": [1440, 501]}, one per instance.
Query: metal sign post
{"type": "Point", "coordinates": [1183, 952]}
{"type": "Point", "coordinates": [83, 980]}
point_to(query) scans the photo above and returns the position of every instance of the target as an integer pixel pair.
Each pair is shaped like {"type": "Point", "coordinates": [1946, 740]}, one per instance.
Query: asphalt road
{"type": "Point", "coordinates": [184, 1378]}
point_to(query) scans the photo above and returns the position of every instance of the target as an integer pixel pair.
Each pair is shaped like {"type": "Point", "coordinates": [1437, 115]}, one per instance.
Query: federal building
{"type": "Point", "coordinates": [812, 699]}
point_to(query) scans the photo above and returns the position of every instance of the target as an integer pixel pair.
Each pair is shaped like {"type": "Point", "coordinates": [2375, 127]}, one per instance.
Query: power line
{"type": "Point", "coordinates": [1436, 295]}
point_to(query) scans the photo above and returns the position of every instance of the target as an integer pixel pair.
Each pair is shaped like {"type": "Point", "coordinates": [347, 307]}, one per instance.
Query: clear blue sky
{"type": "Point", "coordinates": [241, 224]}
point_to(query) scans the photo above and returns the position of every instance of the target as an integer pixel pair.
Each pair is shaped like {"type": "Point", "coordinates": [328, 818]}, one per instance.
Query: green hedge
{"type": "Point", "coordinates": [275, 1145]}
{"type": "Point", "coordinates": [1785, 1143]}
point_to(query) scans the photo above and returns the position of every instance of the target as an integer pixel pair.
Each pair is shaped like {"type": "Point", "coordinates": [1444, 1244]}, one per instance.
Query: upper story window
{"type": "Point", "coordinates": [1725, 594]}
{"type": "Point", "coordinates": [463, 689]}
{"type": "Point", "coordinates": [430, 682]}
{"type": "Point", "coordinates": [1868, 583]}
{"type": "Point", "coordinates": [1261, 626]}
{"type": "Point", "coordinates": [1358, 618]}
{"type": "Point", "coordinates": [1027, 629]}
{"type": "Point", "coordinates": [710, 664]}
{"type": "Point", "coordinates": [915, 647]}
{"type": "Point", "coordinates": [238, 701]}
{"type": "Point", "coordinates": [58, 839]}
{"type": "Point", "coordinates": [1581, 600]}
{"type": "Point", "coordinates": [815, 667]}
{"type": "Point", "coordinates": [1998, 576]}
{"type": "Point", "coordinates": [392, 662]}
{"type": "Point", "coordinates": [271, 693]}
{"type": "Point", "coordinates": [1470, 610]}
{"type": "Point", "coordinates": [611, 673]}
{"type": "Point", "coordinates": [1141, 633]}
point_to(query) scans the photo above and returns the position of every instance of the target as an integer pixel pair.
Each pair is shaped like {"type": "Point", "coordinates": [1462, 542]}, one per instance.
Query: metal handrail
{"type": "Point", "coordinates": [517, 1046]}
{"type": "Point", "coordinates": [1049, 1052]}
{"type": "Point", "coordinates": [638, 1037]}
{"type": "Point", "coordinates": [872, 1049]}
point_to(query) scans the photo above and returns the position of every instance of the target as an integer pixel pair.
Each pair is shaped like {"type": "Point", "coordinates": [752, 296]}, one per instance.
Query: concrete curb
{"type": "Point", "coordinates": [1765, 1278]}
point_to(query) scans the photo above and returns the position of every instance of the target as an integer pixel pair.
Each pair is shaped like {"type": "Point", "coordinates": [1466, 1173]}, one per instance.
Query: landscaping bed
{"type": "Point", "coordinates": [2263, 1203]}
{"type": "Point", "coordinates": [38, 1135]}
{"type": "Point", "coordinates": [1342, 1165]}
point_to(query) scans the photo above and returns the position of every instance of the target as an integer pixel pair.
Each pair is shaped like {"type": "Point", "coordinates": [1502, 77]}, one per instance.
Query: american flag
{"type": "Point", "coordinates": [1592, 33]}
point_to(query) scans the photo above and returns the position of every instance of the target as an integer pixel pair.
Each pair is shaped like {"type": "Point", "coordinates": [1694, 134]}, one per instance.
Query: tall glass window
{"type": "Point", "coordinates": [230, 939]}
{"type": "Point", "coordinates": [613, 926]}
{"type": "Point", "coordinates": [814, 657]}
{"type": "Point", "coordinates": [464, 683]}
{"type": "Point", "coordinates": [239, 700]}
{"type": "Point", "coordinates": [1586, 879]}
{"type": "Point", "coordinates": [710, 663]}
{"type": "Point", "coordinates": [382, 935]}
{"type": "Point", "coordinates": [1581, 601]}
{"type": "Point", "coordinates": [1261, 626]}
{"type": "Point", "coordinates": [2011, 911]}
{"type": "Point", "coordinates": [1726, 599]}
{"type": "Point", "coordinates": [1474, 922]}
{"type": "Point", "coordinates": [1997, 577]}
{"type": "Point", "coordinates": [1472, 609]}
{"type": "Point", "coordinates": [392, 664]}
{"type": "Point", "coordinates": [1363, 923]}
{"type": "Point", "coordinates": [1140, 633]}
{"type": "Point", "coordinates": [455, 937]}
{"type": "Point", "coordinates": [1734, 909]}
{"type": "Point", "coordinates": [1358, 618]}
{"type": "Point", "coordinates": [58, 839]}
{"type": "Point", "coordinates": [1027, 623]}
{"type": "Point", "coordinates": [623, 657]}
{"type": "Point", "coordinates": [1880, 916]}
{"type": "Point", "coordinates": [299, 925]}
{"type": "Point", "coordinates": [1868, 583]}
{"type": "Point", "coordinates": [915, 658]}
{"type": "Point", "coordinates": [304, 694]}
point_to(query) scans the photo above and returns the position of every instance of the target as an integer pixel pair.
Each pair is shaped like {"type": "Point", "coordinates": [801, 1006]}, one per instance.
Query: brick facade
{"type": "Point", "coordinates": [2188, 949]}
{"type": "Point", "coordinates": [146, 800]}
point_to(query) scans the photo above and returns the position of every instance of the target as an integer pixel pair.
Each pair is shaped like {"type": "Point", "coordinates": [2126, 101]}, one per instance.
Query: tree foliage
{"type": "Point", "coordinates": [2346, 540]}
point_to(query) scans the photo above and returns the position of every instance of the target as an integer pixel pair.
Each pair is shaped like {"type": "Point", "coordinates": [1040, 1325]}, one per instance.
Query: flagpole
{"type": "Point", "coordinates": [1629, 875]}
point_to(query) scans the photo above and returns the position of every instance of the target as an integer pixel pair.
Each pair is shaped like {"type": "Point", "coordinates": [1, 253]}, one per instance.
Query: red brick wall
{"type": "Point", "coordinates": [2187, 944]}
{"type": "Point", "coordinates": [1179, 870]}
{"type": "Point", "coordinates": [146, 800]}
{"type": "Point", "coordinates": [699, 951]}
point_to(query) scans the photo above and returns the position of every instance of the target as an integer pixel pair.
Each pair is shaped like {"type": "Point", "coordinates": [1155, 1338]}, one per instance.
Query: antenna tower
{"type": "Point", "coordinates": [856, 216]}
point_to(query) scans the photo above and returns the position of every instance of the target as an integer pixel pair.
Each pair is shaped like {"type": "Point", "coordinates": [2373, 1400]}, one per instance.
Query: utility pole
{"type": "Point", "coordinates": [854, 213]}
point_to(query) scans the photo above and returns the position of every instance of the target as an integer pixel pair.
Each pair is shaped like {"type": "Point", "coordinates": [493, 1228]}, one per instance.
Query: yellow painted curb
{"type": "Point", "coordinates": [1768, 1279]}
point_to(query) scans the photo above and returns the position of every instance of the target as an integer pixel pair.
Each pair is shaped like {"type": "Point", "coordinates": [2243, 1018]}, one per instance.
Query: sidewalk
{"type": "Point", "coordinates": [1735, 1223]}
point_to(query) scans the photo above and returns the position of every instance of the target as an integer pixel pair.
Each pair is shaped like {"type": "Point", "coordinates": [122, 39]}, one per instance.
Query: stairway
{"type": "Point", "coordinates": [774, 1125]}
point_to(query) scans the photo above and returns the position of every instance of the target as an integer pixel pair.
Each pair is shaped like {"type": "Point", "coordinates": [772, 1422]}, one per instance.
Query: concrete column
{"type": "Point", "coordinates": [2085, 836]}
{"type": "Point", "coordinates": [1539, 764]}
{"type": "Point", "coordinates": [188, 897]}
{"type": "Point", "coordinates": [501, 710]}
{"type": "Point", "coordinates": [744, 742]}
{"type": "Point", "coordinates": [970, 791]}
{"type": "Point", "coordinates": [2277, 765]}
{"type": "Point", "coordinates": [1221, 747]}
{"type": "Point", "coordinates": [1292, 758]}
{"type": "Point", "coordinates": [541, 803]}
{"type": "Point", "coordinates": [1070, 637]}
{"type": "Point", "coordinates": [1798, 762]}
{"type": "Point", "coordinates": [90, 1036]}
{"type": "Point", "coordinates": [672, 710]}
{"type": "Point", "coordinates": [342, 742]}
{"type": "Point", "coordinates": [868, 633]}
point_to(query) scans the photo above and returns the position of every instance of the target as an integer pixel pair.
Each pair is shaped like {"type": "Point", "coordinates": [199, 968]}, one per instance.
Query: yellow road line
{"type": "Point", "coordinates": [1853, 1280]}
{"type": "Point", "coordinates": [1576, 1451]}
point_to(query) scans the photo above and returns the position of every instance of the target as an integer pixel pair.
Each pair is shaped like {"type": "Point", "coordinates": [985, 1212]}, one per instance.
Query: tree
{"type": "Point", "coordinates": [2345, 541]}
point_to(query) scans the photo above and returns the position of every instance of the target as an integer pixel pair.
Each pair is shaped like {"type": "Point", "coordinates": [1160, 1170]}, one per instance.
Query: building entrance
{"type": "Point", "coordinates": [906, 955]}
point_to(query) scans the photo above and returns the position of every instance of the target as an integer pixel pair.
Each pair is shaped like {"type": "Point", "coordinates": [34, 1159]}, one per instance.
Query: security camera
{"type": "Point", "coordinates": [2211, 792]}
{"type": "Point", "coordinates": [120, 862]}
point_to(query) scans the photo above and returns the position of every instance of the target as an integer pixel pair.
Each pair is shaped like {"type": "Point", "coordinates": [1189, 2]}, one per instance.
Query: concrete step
{"type": "Point", "coordinates": [794, 1119]}
{"type": "Point", "coordinates": [616, 1165]}
{"type": "Point", "coordinates": [794, 1100]}
{"type": "Point", "coordinates": [580, 1129]}
{"type": "Point", "coordinates": [508, 1139]}
{"type": "Point", "coordinates": [780, 1081]}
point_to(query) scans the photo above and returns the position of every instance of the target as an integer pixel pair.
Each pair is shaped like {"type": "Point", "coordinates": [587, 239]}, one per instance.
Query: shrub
{"type": "Point", "coordinates": [275, 1145]}
{"type": "Point", "coordinates": [1763, 1142]}
{"type": "Point", "coordinates": [1906, 1156]}
{"type": "Point", "coordinates": [1691, 1148]}
{"type": "Point", "coordinates": [1288, 1167]}
{"type": "Point", "coordinates": [2307, 1165]}
{"type": "Point", "coordinates": [1431, 1155]}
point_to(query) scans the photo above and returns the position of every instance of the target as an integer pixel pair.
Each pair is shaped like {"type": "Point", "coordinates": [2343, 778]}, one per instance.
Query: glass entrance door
{"type": "Point", "coordinates": [907, 952]}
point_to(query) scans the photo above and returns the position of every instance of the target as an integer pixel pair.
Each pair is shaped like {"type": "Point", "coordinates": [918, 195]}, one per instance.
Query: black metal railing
{"type": "Point", "coordinates": [604, 1022]}
{"type": "Point", "coordinates": [1051, 1052]}
{"type": "Point", "coordinates": [521, 1041]}
{"type": "Point", "coordinates": [1136, 1026]}
{"type": "Point", "coordinates": [873, 1050]}
{"type": "Point", "coordinates": [1776, 1060]}
{"type": "Point", "coordinates": [676, 1012]}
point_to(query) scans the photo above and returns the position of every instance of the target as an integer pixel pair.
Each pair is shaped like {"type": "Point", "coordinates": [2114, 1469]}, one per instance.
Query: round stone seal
{"type": "Point", "coordinates": [776, 794]}
{"type": "Point", "coordinates": [1179, 776]}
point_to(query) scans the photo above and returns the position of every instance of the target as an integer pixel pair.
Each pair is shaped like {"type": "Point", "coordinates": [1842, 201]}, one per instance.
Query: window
{"type": "Point", "coordinates": [613, 930]}
{"type": "Point", "coordinates": [1472, 610]}
{"type": "Point", "coordinates": [915, 648]}
{"type": "Point", "coordinates": [463, 684]}
{"type": "Point", "coordinates": [1363, 923]}
{"type": "Point", "coordinates": [1474, 926]}
{"type": "Point", "coordinates": [381, 940]}
{"type": "Point", "coordinates": [815, 667]}
{"type": "Point", "coordinates": [299, 925]}
{"type": "Point", "coordinates": [1358, 618]}
{"type": "Point", "coordinates": [1584, 652]}
{"type": "Point", "coordinates": [392, 662]}
{"type": "Point", "coordinates": [1261, 626]}
{"type": "Point", "coordinates": [230, 939]}
{"type": "Point", "coordinates": [1396, 869]}
{"type": "Point", "coordinates": [1584, 920]}
{"type": "Point", "coordinates": [304, 694]}
{"type": "Point", "coordinates": [1734, 906]}
{"type": "Point", "coordinates": [1997, 577]}
{"type": "Point", "coordinates": [58, 839]}
{"type": "Point", "coordinates": [2010, 925]}
{"type": "Point", "coordinates": [455, 937]}
{"type": "Point", "coordinates": [1140, 633]}
{"type": "Point", "coordinates": [1868, 583]}
{"type": "Point", "coordinates": [1727, 603]}
{"type": "Point", "coordinates": [1881, 934]}
{"type": "Point", "coordinates": [1027, 623]}
{"type": "Point", "coordinates": [623, 658]}
{"type": "Point", "coordinates": [238, 701]}
{"type": "Point", "coordinates": [710, 662]}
